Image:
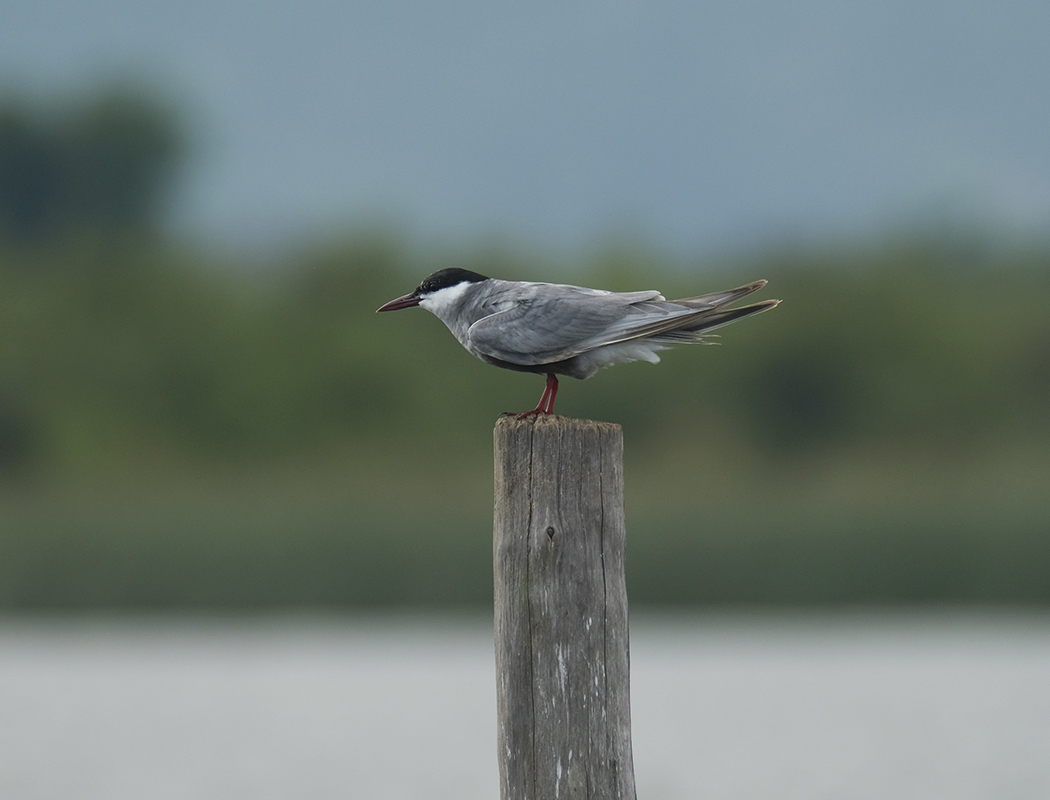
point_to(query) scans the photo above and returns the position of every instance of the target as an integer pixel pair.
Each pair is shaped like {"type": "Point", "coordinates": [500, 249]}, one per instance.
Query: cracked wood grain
{"type": "Point", "coordinates": [561, 622]}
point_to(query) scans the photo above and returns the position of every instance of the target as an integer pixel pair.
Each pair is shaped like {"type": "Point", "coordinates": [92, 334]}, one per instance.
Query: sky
{"type": "Point", "coordinates": [696, 125]}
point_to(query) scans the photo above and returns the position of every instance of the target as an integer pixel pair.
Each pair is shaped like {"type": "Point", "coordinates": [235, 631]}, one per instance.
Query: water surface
{"type": "Point", "coordinates": [391, 708]}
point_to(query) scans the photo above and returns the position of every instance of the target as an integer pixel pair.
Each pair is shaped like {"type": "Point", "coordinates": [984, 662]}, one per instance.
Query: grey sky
{"type": "Point", "coordinates": [695, 124]}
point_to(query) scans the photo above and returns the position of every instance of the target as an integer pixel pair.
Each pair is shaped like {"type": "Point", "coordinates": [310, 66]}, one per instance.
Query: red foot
{"type": "Point", "coordinates": [546, 404]}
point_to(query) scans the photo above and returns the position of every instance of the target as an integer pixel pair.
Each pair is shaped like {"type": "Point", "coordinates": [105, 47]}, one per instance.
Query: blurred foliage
{"type": "Point", "coordinates": [104, 165]}
{"type": "Point", "coordinates": [892, 415]}
{"type": "Point", "coordinates": [118, 352]}
{"type": "Point", "coordinates": [180, 429]}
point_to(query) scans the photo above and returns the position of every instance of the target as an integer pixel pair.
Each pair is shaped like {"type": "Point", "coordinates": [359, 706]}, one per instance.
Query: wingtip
{"type": "Point", "coordinates": [762, 305]}
{"type": "Point", "coordinates": [748, 288]}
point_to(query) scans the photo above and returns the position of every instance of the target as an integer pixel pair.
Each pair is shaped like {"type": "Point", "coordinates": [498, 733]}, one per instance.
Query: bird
{"type": "Point", "coordinates": [557, 329]}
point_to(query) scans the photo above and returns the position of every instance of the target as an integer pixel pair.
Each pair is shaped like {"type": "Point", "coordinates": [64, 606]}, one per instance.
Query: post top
{"type": "Point", "coordinates": [552, 423]}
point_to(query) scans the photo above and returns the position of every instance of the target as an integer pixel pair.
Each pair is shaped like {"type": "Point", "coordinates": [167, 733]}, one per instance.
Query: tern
{"type": "Point", "coordinates": [556, 329]}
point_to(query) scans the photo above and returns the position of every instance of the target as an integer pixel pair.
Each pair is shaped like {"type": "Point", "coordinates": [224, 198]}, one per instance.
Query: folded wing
{"type": "Point", "coordinates": [561, 322]}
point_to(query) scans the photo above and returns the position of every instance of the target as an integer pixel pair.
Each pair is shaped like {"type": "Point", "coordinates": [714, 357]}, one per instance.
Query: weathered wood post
{"type": "Point", "coordinates": [562, 662]}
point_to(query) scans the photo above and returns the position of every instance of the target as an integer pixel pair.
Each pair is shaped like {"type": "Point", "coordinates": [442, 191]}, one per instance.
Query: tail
{"type": "Point", "coordinates": [710, 313]}
{"type": "Point", "coordinates": [692, 331]}
{"type": "Point", "coordinates": [705, 313]}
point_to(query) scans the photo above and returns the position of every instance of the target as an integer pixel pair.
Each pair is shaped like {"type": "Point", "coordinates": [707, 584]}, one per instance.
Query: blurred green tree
{"type": "Point", "coordinates": [30, 174]}
{"type": "Point", "coordinates": [106, 165]}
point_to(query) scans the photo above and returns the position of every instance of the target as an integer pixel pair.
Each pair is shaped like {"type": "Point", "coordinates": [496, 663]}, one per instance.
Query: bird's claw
{"type": "Point", "coordinates": [524, 414]}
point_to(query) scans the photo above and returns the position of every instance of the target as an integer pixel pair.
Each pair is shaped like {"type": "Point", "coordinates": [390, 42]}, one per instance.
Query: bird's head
{"type": "Point", "coordinates": [439, 290]}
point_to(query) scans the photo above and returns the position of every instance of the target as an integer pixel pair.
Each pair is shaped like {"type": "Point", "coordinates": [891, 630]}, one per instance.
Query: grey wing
{"type": "Point", "coordinates": [563, 323]}
{"type": "Point", "coordinates": [560, 322]}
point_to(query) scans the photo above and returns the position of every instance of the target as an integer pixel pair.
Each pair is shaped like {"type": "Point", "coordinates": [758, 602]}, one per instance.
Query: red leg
{"type": "Point", "coordinates": [546, 404]}
{"type": "Point", "coordinates": [552, 392]}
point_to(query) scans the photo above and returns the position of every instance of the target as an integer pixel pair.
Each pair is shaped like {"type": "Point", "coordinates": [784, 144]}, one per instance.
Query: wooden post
{"type": "Point", "coordinates": [562, 662]}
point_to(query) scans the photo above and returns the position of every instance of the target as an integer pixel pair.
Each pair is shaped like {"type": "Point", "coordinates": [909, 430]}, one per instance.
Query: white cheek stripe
{"type": "Point", "coordinates": [444, 298]}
